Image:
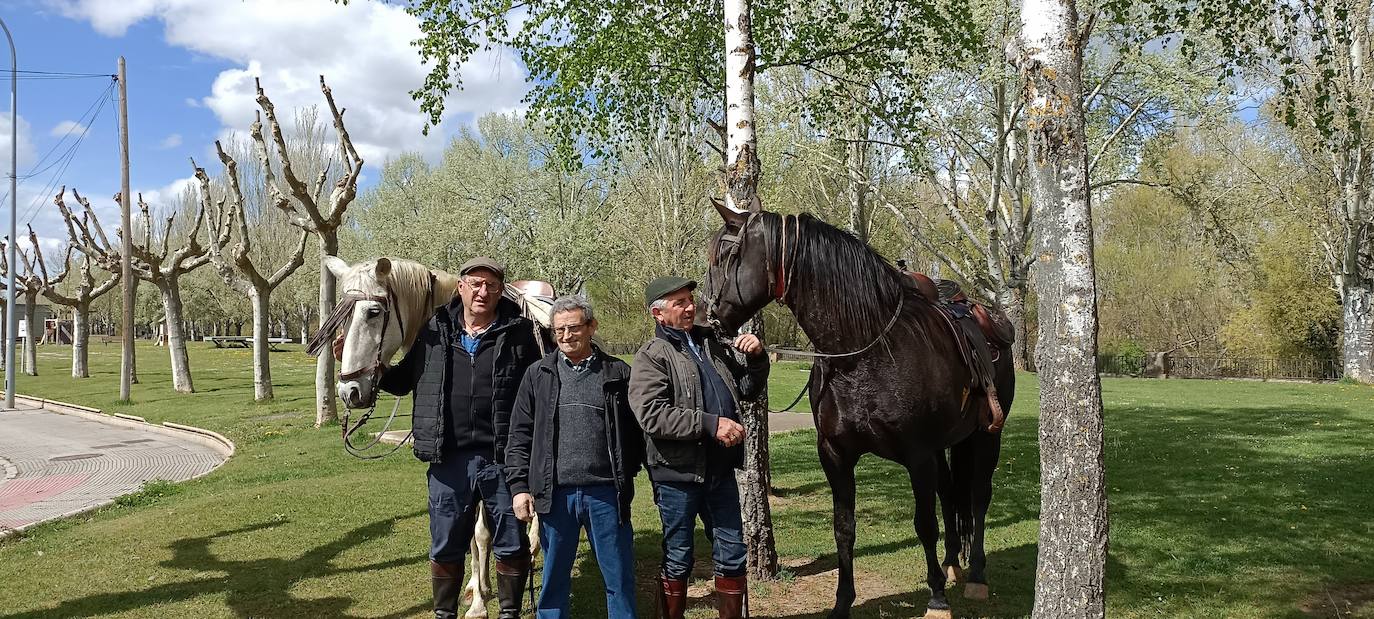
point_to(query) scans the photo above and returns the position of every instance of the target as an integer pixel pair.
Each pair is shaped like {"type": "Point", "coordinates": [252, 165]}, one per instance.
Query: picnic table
{"type": "Point", "coordinates": [243, 341]}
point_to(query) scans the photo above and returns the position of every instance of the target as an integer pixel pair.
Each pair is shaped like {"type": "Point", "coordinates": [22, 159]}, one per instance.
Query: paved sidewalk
{"type": "Point", "coordinates": [53, 464]}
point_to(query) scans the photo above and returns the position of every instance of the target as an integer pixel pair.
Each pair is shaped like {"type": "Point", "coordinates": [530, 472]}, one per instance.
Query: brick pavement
{"type": "Point", "coordinates": [54, 464]}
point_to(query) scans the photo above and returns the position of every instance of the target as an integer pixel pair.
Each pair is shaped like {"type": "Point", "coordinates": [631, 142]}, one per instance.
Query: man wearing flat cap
{"type": "Point", "coordinates": [685, 389]}
{"type": "Point", "coordinates": [464, 369]}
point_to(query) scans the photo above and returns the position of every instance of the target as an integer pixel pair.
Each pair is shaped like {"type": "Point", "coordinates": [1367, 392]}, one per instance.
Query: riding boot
{"type": "Point", "coordinates": [510, 586]}
{"type": "Point", "coordinates": [730, 595]}
{"type": "Point", "coordinates": [672, 598]}
{"type": "Point", "coordinates": [447, 579]}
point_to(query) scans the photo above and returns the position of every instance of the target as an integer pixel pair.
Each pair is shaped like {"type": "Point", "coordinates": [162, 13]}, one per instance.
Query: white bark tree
{"type": "Point", "coordinates": [236, 266]}
{"type": "Point", "coordinates": [85, 290]}
{"type": "Point", "coordinates": [27, 287]}
{"type": "Point", "coordinates": [742, 171]}
{"type": "Point", "coordinates": [302, 203]}
{"type": "Point", "coordinates": [1072, 561]}
{"type": "Point", "coordinates": [153, 261]}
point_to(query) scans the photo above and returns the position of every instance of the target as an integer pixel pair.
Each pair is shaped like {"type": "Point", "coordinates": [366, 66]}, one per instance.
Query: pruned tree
{"type": "Point", "coordinates": [26, 287]}
{"type": "Point", "coordinates": [236, 265]}
{"type": "Point", "coordinates": [153, 260]}
{"type": "Point", "coordinates": [84, 290]}
{"type": "Point", "coordinates": [302, 202]}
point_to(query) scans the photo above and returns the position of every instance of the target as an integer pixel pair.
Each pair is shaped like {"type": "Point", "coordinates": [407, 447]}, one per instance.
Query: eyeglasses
{"type": "Point", "coordinates": [479, 284]}
{"type": "Point", "coordinates": [569, 329]}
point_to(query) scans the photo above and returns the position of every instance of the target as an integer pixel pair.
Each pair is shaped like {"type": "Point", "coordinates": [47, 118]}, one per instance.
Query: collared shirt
{"type": "Point", "coordinates": [582, 366]}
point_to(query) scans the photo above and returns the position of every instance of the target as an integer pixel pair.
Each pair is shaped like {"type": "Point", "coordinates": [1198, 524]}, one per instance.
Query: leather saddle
{"type": "Point", "coordinates": [981, 335]}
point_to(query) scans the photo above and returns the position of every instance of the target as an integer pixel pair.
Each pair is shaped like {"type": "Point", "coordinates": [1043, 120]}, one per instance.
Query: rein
{"type": "Point", "coordinates": [780, 280]}
{"type": "Point", "coordinates": [342, 316]}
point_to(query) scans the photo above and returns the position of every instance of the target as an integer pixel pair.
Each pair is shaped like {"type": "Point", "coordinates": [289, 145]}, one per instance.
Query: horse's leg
{"type": "Point", "coordinates": [479, 586]}
{"type": "Point", "coordinates": [953, 547]}
{"type": "Point", "coordinates": [839, 472]}
{"type": "Point", "coordinates": [924, 479]}
{"type": "Point", "coordinates": [989, 449]}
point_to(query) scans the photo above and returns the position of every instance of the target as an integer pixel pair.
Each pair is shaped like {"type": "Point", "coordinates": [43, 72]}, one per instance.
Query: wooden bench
{"type": "Point", "coordinates": [243, 341]}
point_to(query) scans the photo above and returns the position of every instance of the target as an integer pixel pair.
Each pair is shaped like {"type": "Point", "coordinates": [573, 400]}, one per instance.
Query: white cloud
{"type": "Point", "coordinates": [65, 127]}
{"type": "Point", "coordinates": [171, 141]}
{"type": "Point", "coordinates": [26, 154]}
{"type": "Point", "coordinates": [166, 196]}
{"type": "Point", "coordinates": [363, 49]}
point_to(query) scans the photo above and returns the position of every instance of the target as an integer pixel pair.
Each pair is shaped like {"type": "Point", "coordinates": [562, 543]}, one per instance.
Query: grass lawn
{"type": "Point", "coordinates": [1228, 499]}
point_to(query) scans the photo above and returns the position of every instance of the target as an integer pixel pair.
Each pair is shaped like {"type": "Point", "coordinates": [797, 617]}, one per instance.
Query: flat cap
{"type": "Point", "coordinates": [665, 286]}
{"type": "Point", "coordinates": [483, 262]}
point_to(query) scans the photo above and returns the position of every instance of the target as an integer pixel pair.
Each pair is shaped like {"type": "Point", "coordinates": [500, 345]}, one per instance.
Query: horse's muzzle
{"type": "Point", "coordinates": [357, 393]}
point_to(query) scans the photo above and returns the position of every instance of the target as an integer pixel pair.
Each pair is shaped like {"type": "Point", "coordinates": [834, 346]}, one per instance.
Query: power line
{"type": "Point", "coordinates": [65, 159]}
{"type": "Point", "coordinates": [82, 121]}
{"type": "Point", "coordinates": [63, 73]}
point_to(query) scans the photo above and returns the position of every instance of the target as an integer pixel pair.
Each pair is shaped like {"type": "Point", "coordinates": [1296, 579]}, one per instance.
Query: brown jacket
{"type": "Point", "coordinates": [666, 398]}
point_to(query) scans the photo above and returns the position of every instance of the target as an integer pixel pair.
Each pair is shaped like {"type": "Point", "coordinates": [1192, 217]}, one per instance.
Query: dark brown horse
{"type": "Point", "coordinates": [890, 380]}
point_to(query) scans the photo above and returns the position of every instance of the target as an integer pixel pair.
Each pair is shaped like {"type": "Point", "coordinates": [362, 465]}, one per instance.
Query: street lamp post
{"type": "Point", "coordinates": [11, 321]}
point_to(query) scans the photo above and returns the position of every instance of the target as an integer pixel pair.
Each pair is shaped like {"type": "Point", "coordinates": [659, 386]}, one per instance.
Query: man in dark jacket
{"type": "Point", "coordinates": [685, 392]}
{"type": "Point", "coordinates": [572, 457]}
{"type": "Point", "coordinates": [465, 368]}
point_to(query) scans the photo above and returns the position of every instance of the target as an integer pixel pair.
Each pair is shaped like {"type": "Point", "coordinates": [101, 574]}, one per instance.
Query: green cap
{"type": "Point", "coordinates": [665, 286]}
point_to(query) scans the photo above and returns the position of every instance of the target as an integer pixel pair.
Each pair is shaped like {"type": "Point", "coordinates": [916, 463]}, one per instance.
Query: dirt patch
{"type": "Point", "coordinates": [1341, 601]}
{"type": "Point", "coordinates": [812, 594]}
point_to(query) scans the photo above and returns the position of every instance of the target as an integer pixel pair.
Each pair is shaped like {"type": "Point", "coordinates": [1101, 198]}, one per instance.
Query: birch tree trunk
{"type": "Point", "coordinates": [176, 337]}
{"type": "Point", "coordinates": [1357, 347]}
{"type": "Point", "coordinates": [742, 178]}
{"type": "Point", "coordinates": [1072, 560]}
{"type": "Point", "coordinates": [1013, 303]}
{"type": "Point", "coordinates": [262, 328]}
{"type": "Point", "coordinates": [326, 410]}
{"type": "Point", "coordinates": [81, 336]}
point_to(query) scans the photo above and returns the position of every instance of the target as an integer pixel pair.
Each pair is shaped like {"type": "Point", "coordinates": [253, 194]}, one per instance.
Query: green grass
{"type": "Point", "coordinates": [1228, 499]}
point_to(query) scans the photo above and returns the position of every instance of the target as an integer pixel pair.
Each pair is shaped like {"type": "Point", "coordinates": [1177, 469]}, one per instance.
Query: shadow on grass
{"type": "Point", "coordinates": [255, 588]}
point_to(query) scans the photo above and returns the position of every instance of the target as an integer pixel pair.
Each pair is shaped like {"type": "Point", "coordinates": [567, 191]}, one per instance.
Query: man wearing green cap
{"type": "Point", "coordinates": [685, 389]}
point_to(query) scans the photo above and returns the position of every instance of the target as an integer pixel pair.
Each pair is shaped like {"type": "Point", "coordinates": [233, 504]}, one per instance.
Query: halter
{"type": "Point", "coordinates": [339, 321]}
{"type": "Point", "coordinates": [780, 279]}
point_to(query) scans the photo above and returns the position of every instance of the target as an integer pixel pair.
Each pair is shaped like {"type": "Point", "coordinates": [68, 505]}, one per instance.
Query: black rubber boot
{"type": "Point", "coordinates": [447, 579]}
{"type": "Point", "coordinates": [511, 575]}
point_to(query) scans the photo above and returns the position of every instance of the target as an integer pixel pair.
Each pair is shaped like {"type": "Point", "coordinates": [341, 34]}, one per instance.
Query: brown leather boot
{"type": "Point", "coordinates": [730, 594]}
{"type": "Point", "coordinates": [672, 598]}
{"type": "Point", "coordinates": [511, 575]}
{"type": "Point", "coordinates": [447, 581]}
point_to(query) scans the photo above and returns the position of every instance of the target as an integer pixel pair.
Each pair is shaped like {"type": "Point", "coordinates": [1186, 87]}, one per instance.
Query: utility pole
{"type": "Point", "coordinates": [11, 318]}
{"type": "Point", "coordinates": [126, 366]}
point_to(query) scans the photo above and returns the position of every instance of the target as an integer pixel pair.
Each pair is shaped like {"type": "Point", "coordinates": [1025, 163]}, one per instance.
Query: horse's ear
{"type": "Point", "coordinates": [731, 216]}
{"type": "Point", "coordinates": [383, 268]}
{"type": "Point", "coordinates": [336, 266]}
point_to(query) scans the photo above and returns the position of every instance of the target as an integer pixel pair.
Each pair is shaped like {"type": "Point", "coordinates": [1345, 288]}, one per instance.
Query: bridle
{"type": "Point", "coordinates": [343, 316]}
{"type": "Point", "coordinates": [779, 279]}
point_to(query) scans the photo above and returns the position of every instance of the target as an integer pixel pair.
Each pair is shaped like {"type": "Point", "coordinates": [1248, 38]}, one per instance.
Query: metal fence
{"type": "Point", "coordinates": [1223, 367]}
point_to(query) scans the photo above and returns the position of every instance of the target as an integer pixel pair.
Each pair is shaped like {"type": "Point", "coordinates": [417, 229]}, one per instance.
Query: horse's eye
{"type": "Point", "coordinates": [373, 312]}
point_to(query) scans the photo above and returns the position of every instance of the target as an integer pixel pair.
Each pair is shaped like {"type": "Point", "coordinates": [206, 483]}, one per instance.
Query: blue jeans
{"type": "Point", "coordinates": [455, 487]}
{"type": "Point", "coordinates": [596, 509]}
{"type": "Point", "coordinates": [717, 502]}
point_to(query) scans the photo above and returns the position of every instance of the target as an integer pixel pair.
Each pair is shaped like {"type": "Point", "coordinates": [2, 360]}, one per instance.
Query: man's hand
{"type": "Point", "coordinates": [748, 344]}
{"type": "Point", "coordinates": [523, 506]}
{"type": "Point", "coordinates": [728, 432]}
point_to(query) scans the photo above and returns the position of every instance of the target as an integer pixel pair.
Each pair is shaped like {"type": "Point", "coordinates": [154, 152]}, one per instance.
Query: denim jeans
{"type": "Point", "coordinates": [455, 487]}
{"type": "Point", "coordinates": [596, 509]}
{"type": "Point", "coordinates": [716, 500]}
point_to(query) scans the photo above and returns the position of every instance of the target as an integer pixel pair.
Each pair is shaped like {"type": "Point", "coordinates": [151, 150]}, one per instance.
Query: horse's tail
{"type": "Point", "coordinates": [961, 475]}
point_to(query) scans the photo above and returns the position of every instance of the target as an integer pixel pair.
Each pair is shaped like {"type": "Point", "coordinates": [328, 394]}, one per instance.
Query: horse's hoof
{"type": "Point", "coordinates": [939, 613]}
{"type": "Point", "coordinates": [976, 591]}
{"type": "Point", "coordinates": [953, 575]}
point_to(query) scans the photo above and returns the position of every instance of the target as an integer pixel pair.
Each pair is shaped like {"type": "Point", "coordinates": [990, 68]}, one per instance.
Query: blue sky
{"type": "Point", "coordinates": [191, 65]}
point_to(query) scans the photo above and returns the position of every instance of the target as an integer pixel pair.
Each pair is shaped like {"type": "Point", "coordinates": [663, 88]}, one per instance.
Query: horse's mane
{"type": "Point", "coordinates": [838, 270]}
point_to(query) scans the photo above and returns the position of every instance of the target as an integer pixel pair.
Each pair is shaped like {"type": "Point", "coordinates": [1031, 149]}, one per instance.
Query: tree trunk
{"type": "Point", "coordinates": [81, 337]}
{"type": "Point", "coordinates": [1358, 332]}
{"type": "Point", "coordinates": [1072, 559]}
{"type": "Point", "coordinates": [326, 410]}
{"type": "Point", "coordinates": [262, 328]}
{"type": "Point", "coordinates": [857, 186]}
{"type": "Point", "coordinates": [742, 179]}
{"type": "Point", "coordinates": [176, 338]}
{"type": "Point", "coordinates": [1013, 302]}
{"type": "Point", "coordinates": [30, 344]}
